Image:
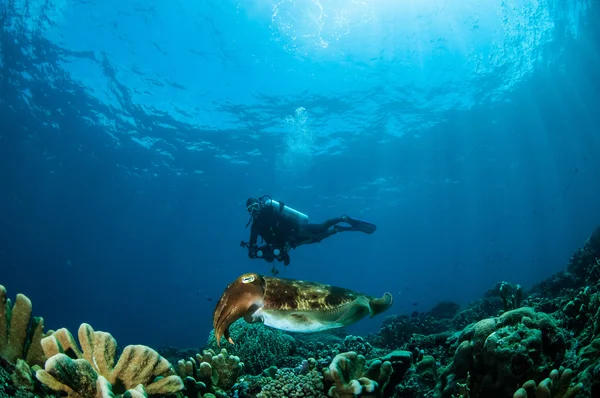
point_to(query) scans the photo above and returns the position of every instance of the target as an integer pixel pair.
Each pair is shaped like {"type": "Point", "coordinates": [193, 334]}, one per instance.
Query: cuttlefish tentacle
{"type": "Point", "coordinates": [292, 305]}
{"type": "Point", "coordinates": [241, 298]}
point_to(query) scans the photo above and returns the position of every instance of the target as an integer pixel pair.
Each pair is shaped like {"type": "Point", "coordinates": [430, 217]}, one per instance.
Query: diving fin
{"type": "Point", "coordinates": [362, 226]}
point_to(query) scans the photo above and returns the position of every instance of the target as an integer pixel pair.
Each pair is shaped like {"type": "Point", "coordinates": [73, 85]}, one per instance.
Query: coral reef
{"type": "Point", "coordinates": [542, 342]}
{"type": "Point", "coordinates": [499, 352]}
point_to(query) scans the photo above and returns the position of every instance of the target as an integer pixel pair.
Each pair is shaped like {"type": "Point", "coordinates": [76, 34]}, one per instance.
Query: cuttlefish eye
{"type": "Point", "coordinates": [243, 295]}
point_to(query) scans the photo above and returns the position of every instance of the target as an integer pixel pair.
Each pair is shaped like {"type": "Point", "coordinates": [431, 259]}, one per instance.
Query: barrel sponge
{"type": "Point", "coordinates": [76, 371]}
{"type": "Point", "coordinates": [20, 333]}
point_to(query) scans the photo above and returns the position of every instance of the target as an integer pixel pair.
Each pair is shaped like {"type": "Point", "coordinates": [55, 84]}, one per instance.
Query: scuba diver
{"type": "Point", "coordinates": [283, 228]}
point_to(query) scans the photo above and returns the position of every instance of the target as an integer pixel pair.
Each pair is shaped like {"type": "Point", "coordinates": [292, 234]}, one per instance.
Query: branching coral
{"type": "Point", "coordinates": [209, 372]}
{"type": "Point", "coordinates": [351, 377]}
{"type": "Point", "coordinates": [512, 296]}
{"type": "Point", "coordinates": [464, 388]}
{"type": "Point", "coordinates": [286, 383]}
{"type": "Point", "coordinates": [581, 309]}
{"type": "Point", "coordinates": [20, 333]}
{"type": "Point", "coordinates": [91, 370]}
{"type": "Point", "coordinates": [358, 345]}
{"type": "Point", "coordinates": [558, 385]}
{"type": "Point", "coordinates": [304, 381]}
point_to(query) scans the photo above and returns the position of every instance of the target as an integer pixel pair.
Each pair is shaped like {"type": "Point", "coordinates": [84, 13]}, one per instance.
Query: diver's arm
{"type": "Point", "coordinates": [253, 234]}
{"type": "Point", "coordinates": [252, 242]}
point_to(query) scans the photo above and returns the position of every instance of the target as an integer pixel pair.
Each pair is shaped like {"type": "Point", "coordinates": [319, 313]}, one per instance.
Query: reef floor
{"type": "Point", "coordinates": [513, 342]}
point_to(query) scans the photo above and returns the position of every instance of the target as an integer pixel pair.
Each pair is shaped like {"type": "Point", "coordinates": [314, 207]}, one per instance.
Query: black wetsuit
{"type": "Point", "coordinates": [282, 233]}
{"type": "Point", "coordinates": [278, 230]}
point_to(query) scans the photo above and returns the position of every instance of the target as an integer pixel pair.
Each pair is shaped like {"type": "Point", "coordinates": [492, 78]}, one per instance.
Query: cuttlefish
{"type": "Point", "coordinates": [292, 305]}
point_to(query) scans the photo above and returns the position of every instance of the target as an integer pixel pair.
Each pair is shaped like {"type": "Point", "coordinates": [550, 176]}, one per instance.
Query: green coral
{"type": "Point", "coordinates": [22, 376]}
{"type": "Point", "coordinates": [257, 346]}
{"type": "Point", "coordinates": [557, 385]}
{"type": "Point", "coordinates": [588, 366]}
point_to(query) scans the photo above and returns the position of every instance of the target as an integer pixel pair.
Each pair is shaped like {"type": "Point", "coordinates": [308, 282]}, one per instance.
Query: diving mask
{"type": "Point", "coordinates": [253, 208]}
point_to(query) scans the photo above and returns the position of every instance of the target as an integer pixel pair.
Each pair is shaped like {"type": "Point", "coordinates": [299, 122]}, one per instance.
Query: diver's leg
{"type": "Point", "coordinates": [322, 227]}
{"type": "Point", "coordinates": [355, 225]}
{"type": "Point", "coordinates": [332, 221]}
{"type": "Point", "coordinates": [325, 234]}
{"type": "Point", "coordinates": [313, 229]}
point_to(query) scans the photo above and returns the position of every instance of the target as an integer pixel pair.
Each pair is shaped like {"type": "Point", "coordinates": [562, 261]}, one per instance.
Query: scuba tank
{"type": "Point", "coordinates": [286, 211]}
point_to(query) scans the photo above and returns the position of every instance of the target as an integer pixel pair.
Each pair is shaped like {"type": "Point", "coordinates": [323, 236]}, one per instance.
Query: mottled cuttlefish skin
{"type": "Point", "coordinates": [292, 305]}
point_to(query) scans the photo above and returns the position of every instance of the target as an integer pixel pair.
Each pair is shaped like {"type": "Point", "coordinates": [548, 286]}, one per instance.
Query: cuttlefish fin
{"type": "Point", "coordinates": [357, 309]}
{"type": "Point", "coordinates": [379, 305]}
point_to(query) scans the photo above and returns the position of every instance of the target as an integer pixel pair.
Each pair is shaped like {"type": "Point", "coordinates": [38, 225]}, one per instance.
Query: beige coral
{"type": "Point", "coordinates": [91, 370]}
{"type": "Point", "coordinates": [210, 371]}
{"type": "Point", "coordinates": [351, 377]}
{"type": "Point", "coordinates": [16, 324]}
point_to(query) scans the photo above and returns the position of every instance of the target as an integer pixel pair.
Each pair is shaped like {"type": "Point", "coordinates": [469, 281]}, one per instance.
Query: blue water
{"type": "Point", "coordinates": [132, 133]}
